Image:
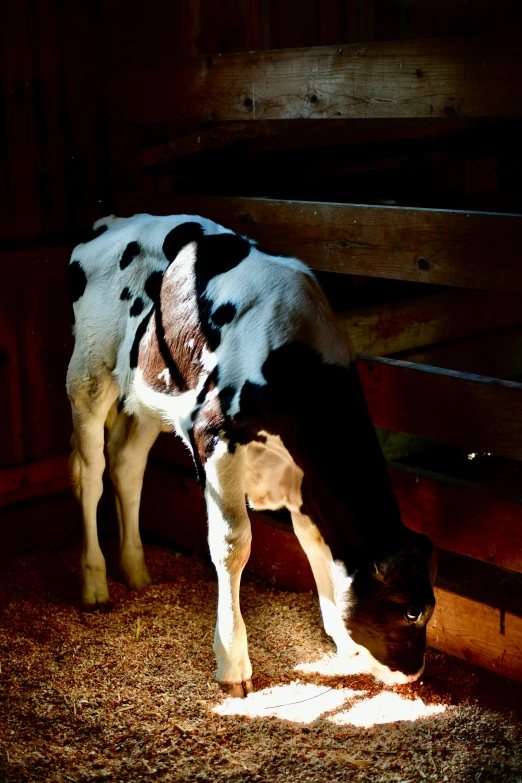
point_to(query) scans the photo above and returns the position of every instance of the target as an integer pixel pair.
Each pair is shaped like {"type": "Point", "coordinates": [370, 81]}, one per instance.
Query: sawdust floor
{"type": "Point", "coordinates": [129, 696]}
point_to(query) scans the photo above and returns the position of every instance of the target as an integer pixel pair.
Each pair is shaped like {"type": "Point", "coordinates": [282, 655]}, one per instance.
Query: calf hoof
{"type": "Point", "coordinates": [138, 581]}
{"type": "Point", "coordinates": [98, 606]}
{"type": "Point", "coordinates": [134, 571]}
{"type": "Point", "coordinates": [238, 690]}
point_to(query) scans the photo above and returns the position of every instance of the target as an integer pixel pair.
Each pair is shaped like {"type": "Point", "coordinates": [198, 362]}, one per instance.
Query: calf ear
{"type": "Point", "coordinates": [405, 562]}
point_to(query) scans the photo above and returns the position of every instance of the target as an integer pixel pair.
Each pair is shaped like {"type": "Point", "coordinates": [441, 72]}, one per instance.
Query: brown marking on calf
{"type": "Point", "coordinates": [176, 341]}
{"type": "Point", "coordinates": [208, 425]}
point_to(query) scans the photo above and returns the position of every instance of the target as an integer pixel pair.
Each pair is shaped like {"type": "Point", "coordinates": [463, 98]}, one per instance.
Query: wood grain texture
{"type": "Point", "coordinates": [473, 411]}
{"type": "Point", "coordinates": [484, 635]}
{"type": "Point", "coordinates": [302, 134]}
{"type": "Point", "coordinates": [466, 249]}
{"type": "Point", "coordinates": [466, 77]}
{"type": "Point", "coordinates": [461, 516]}
{"type": "Point", "coordinates": [465, 517]}
{"type": "Point", "coordinates": [35, 478]}
{"type": "Point", "coordinates": [498, 355]}
{"type": "Point", "coordinates": [397, 326]}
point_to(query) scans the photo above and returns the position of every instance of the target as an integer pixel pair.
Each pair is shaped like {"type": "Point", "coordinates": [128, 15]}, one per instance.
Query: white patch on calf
{"type": "Point", "coordinates": [165, 377]}
{"type": "Point", "coordinates": [229, 539]}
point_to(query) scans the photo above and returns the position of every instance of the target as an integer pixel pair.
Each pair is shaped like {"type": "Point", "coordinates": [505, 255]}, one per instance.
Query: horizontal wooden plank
{"type": "Point", "coordinates": [461, 516]}
{"type": "Point", "coordinates": [466, 249]}
{"type": "Point", "coordinates": [455, 514]}
{"type": "Point", "coordinates": [484, 635]}
{"type": "Point", "coordinates": [468, 77]}
{"type": "Point", "coordinates": [30, 474]}
{"type": "Point", "coordinates": [473, 411]}
{"type": "Point", "coordinates": [35, 493]}
{"type": "Point", "coordinates": [498, 354]}
{"type": "Point", "coordinates": [302, 134]}
{"type": "Point", "coordinates": [397, 326]}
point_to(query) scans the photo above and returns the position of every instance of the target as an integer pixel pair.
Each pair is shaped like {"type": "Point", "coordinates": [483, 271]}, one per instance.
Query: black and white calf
{"type": "Point", "coordinates": [184, 326]}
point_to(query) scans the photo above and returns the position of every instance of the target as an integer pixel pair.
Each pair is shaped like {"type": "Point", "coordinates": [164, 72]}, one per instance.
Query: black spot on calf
{"type": "Point", "coordinates": [224, 314]}
{"type": "Point", "coordinates": [219, 253]}
{"type": "Point", "coordinates": [153, 285]}
{"type": "Point", "coordinates": [129, 254]}
{"type": "Point", "coordinates": [137, 306]}
{"type": "Point", "coordinates": [179, 237]}
{"type": "Point", "coordinates": [210, 383]}
{"type": "Point", "coordinates": [216, 254]}
{"type": "Point", "coordinates": [76, 280]}
{"type": "Point", "coordinates": [226, 396]}
{"type": "Point", "coordinates": [125, 294]}
{"type": "Point", "coordinates": [140, 331]}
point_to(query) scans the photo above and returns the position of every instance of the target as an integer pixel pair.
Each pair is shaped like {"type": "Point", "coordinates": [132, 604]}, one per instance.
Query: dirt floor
{"type": "Point", "coordinates": [129, 696]}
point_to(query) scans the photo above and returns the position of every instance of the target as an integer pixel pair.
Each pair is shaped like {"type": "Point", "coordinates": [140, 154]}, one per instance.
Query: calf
{"type": "Point", "coordinates": [182, 325]}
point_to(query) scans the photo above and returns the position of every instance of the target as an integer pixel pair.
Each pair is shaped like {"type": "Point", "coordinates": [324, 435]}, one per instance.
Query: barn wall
{"type": "Point", "coordinates": [62, 161]}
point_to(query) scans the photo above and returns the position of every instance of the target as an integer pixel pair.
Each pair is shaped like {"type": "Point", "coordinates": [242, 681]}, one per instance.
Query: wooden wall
{"type": "Point", "coordinates": [56, 155]}
{"type": "Point", "coordinates": [64, 159]}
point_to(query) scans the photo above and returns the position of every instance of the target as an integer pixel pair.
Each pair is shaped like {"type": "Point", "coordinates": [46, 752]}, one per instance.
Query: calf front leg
{"type": "Point", "coordinates": [229, 536]}
{"type": "Point", "coordinates": [331, 580]}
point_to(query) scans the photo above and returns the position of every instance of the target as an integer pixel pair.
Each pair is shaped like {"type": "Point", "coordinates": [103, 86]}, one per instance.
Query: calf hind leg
{"type": "Point", "coordinates": [129, 443]}
{"type": "Point", "coordinates": [86, 465]}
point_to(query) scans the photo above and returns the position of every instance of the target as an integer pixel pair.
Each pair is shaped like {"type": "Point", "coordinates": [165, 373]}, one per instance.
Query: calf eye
{"type": "Point", "coordinates": [412, 614]}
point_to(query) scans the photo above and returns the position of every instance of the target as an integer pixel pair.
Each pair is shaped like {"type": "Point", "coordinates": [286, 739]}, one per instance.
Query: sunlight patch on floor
{"type": "Point", "coordinates": [386, 707]}
{"type": "Point", "coordinates": [335, 665]}
{"type": "Point", "coordinates": [297, 702]}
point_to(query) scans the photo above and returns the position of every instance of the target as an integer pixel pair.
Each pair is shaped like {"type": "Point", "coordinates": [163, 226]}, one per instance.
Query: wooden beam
{"type": "Point", "coordinates": [468, 77]}
{"type": "Point", "coordinates": [473, 411]}
{"type": "Point", "coordinates": [484, 635]}
{"type": "Point", "coordinates": [466, 249]}
{"type": "Point", "coordinates": [455, 514]}
{"type": "Point", "coordinates": [481, 634]}
{"type": "Point", "coordinates": [498, 355]}
{"type": "Point", "coordinates": [397, 326]}
{"type": "Point", "coordinates": [302, 134]}
{"type": "Point", "coordinates": [19, 477]}
{"type": "Point", "coordinates": [458, 515]}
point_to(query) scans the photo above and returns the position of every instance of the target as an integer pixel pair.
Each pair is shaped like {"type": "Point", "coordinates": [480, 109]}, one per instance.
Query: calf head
{"type": "Point", "coordinates": [391, 601]}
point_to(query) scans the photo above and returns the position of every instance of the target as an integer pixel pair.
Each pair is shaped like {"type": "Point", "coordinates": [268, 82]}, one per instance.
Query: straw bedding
{"type": "Point", "coordinates": [130, 696]}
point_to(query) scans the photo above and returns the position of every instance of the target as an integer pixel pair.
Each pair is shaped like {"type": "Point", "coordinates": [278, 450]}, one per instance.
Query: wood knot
{"type": "Point", "coordinates": [424, 264]}
{"type": "Point", "coordinates": [248, 103]}
{"type": "Point", "coordinates": [312, 98]}
{"type": "Point", "coordinates": [419, 73]}
{"type": "Point", "coordinates": [244, 219]}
